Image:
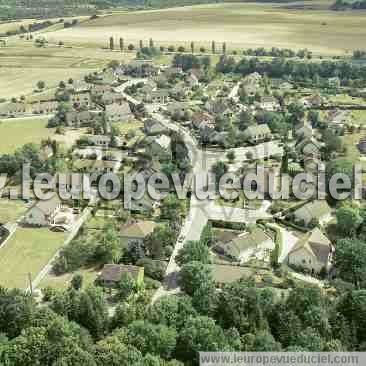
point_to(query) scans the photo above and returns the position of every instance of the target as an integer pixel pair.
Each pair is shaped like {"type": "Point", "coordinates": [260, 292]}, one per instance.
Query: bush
{"type": "Point", "coordinates": [48, 293]}
{"type": "Point", "coordinates": [151, 284]}
{"type": "Point", "coordinates": [153, 268]}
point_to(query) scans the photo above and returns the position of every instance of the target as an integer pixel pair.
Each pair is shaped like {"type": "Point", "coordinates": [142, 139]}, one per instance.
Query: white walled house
{"type": "Point", "coordinates": [314, 252]}
{"type": "Point", "coordinates": [317, 210]}
{"type": "Point", "coordinates": [43, 213]}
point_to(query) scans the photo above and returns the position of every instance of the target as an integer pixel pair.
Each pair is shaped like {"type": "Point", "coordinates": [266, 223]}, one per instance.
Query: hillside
{"type": "Point", "coordinates": [240, 25]}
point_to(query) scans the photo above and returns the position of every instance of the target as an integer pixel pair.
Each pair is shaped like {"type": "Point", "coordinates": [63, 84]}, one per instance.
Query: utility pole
{"type": "Point", "coordinates": [30, 282]}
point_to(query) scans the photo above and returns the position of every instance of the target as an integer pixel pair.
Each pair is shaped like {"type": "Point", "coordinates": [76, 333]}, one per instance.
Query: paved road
{"type": "Point", "coordinates": [234, 92]}
{"type": "Point", "coordinates": [71, 235]}
{"type": "Point", "coordinates": [201, 210]}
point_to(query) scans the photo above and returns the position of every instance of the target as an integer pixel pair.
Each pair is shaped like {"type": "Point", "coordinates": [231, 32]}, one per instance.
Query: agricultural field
{"type": "Point", "coordinates": [296, 25]}
{"type": "Point", "coordinates": [22, 65]}
{"type": "Point", "coordinates": [28, 251]}
{"type": "Point", "coordinates": [17, 132]}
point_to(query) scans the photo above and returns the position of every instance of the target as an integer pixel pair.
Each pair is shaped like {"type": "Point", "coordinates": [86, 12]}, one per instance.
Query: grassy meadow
{"type": "Point", "coordinates": [17, 132]}
{"type": "Point", "coordinates": [28, 251]}
{"type": "Point", "coordinates": [295, 25]}
{"type": "Point", "coordinates": [63, 282]}
{"type": "Point", "coordinates": [11, 210]}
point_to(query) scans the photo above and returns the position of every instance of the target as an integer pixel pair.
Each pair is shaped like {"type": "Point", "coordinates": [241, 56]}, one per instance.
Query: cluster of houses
{"type": "Point", "coordinates": [171, 88]}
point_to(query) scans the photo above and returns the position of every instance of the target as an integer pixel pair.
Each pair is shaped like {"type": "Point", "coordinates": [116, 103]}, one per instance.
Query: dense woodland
{"type": "Point", "coordinates": [75, 329]}
{"type": "Point", "coordinates": [14, 9]}
{"type": "Point", "coordinates": [349, 5]}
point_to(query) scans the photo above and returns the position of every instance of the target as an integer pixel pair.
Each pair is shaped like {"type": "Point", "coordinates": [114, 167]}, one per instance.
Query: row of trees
{"type": "Point", "coordinates": [297, 70]}
{"type": "Point", "coordinates": [151, 44]}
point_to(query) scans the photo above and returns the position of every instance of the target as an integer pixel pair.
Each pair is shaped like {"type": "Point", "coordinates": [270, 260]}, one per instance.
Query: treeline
{"type": "Point", "coordinates": [12, 9]}
{"type": "Point", "coordinates": [30, 28]}
{"type": "Point", "coordinates": [359, 54]}
{"type": "Point", "coordinates": [278, 52]}
{"type": "Point", "coordinates": [298, 71]}
{"type": "Point", "coordinates": [344, 5]}
{"type": "Point", "coordinates": [75, 328]}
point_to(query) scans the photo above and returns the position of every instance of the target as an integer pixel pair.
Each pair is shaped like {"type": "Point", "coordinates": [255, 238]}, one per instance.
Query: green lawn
{"type": "Point", "coordinates": [28, 251]}
{"type": "Point", "coordinates": [346, 99]}
{"type": "Point", "coordinates": [352, 152]}
{"type": "Point", "coordinates": [98, 222]}
{"type": "Point", "coordinates": [11, 210]}
{"type": "Point", "coordinates": [359, 117]}
{"type": "Point", "coordinates": [17, 132]}
{"type": "Point", "coordinates": [240, 202]}
{"type": "Point", "coordinates": [63, 282]}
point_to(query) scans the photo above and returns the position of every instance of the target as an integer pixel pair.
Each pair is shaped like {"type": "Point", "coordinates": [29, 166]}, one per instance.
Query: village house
{"type": "Point", "coordinates": [314, 101]}
{"type": "Point", "coordinates": [180, 92]}
{"type": "Point", "coordinates": [105, 77]}
{"type": "Point", "coordinates": [317, 211]}
{"type": "Point", "coordinates": [362, 145]}
{"type": "Point", "coordinates": [255, 244]}
{"type": "Point", "coordinates": [136, 231]}
{"type": "Point", "coordinates": [157, 96]}
{"type": "Point", "coordinates": [46, 107]}
{"type": "Point", "coordinates": [97, 90]}
{"type": "Point", "coordinates": [119, 71]}
{"type": "Point", "coordinates": [143, 206]}
{"type": "Point", "coordinates": [43, 213]}
{"type": "Point", "coordinates": [270, 104]}
{"type": "Point", "coordinates": [80, 86]}
{"type": "Point", "coordinates": [159, 147]}
{"type": "Point", "coordinates": [173, 71]}
{"type": "Point", "coordinates": [110, 98]}
{"type": "Point", "coordinates": [81, 118]}
{"type": "Point", "coordinates": [154, 127]}
{"type": "Point", "coordinates": [13, 109]}
{"type": "Point", "coordinates": [192, 80]}
{"type": "Point", "coordinates": [211, 136]}
{"type": "Point", "coordinates": [178, 108]}
{"type": "Point", "coordinates": [251, 84]}
{"type": "Point", "coordinates": [141, 68]}
{"type": "Point", "coordinates": [218, 107]}
{"type": "Point", "coordinates": [304, 130]}
{"type": "Point", "coordinates": [314, 252]}
{"type": "Point", "coordinates": [147, 167]}
{"type": "Point", "coordinates": [79, 100]}
{"type": "Point", "coordinates": [338, 118]}
{"type": "Point", "coordinates": [118, 112]}
{"type": "Point", "coordinates": [223, 274]}
{"type": "Point", "coordinates": [308, 147]}
{"type": "Point", "coordinates": [99, 140]}
{"type": "Point", "coordinates": [202, 120]}
{"type": "Point", "coordinates": [256, 134]}
{"type": "Point", "coordinates": [112, 274]}
{"type": "Point", "coordinates": [96, 166]}
{"type": "Point", "coordinates": [149, 86]}
{"type": "Point", "coordinates": [199, 73]}
{"type": "Point", "coordinates": [312, 163]}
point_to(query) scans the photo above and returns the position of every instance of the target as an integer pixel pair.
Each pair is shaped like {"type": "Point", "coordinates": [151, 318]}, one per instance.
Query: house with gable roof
{"type": "Point", "coordinates": [137, 231]}
{"type": "Point", "coordinates": [314, 252]}
{"type": "Point", "coordinates": [44, 212]}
